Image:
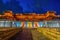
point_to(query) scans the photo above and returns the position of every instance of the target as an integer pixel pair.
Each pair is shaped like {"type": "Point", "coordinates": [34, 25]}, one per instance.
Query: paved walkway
{"type": "Point", "coordinates": [25, 34]}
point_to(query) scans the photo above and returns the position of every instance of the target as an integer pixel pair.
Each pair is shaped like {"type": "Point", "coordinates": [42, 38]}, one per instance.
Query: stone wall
{"type": "Point", "coordinates": [29, 24]}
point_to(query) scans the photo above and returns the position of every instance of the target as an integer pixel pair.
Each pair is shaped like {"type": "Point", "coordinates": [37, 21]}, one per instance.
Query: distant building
{"type": "Point", "coordinates": [50, 15]}
{"type": "Point", "coordinates": [32, 20]}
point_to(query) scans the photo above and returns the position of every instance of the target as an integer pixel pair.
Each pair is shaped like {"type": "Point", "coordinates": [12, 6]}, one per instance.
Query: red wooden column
{"type": "Point", "coordinates": [35, 24]}
{"type": "Point", "coordinates": [23, 24]}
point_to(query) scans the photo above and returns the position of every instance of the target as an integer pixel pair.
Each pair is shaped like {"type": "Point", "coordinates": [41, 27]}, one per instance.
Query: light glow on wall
{"type": "Point", "coordinates": [29, 24]}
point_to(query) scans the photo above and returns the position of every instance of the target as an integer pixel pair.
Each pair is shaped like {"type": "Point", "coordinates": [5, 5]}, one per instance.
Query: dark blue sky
{"type": "Point", "coordinates": [38, 6]}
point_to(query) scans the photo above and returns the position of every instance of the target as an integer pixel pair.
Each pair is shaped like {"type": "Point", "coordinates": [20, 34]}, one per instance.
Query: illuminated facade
{"type": "Point", "coordinates": [31, 20]}
{"type": "Point", "coordinates": [29, 24]}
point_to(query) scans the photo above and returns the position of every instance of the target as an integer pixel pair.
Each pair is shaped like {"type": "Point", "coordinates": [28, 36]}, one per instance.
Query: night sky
{"type": "Point", "coordinates": [29, 6]}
